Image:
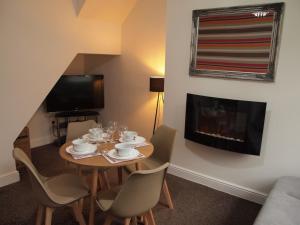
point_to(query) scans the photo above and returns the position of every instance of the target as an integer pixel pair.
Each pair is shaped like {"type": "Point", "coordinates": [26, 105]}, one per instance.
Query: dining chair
{"type": "Point", "coordinates": [54, 192]}
{"type": "Point", "coordinates": [162, 140]}
{"type": "Point", "coordinates": [136, 197]}
{"type": "Point", "coordinates": [77, 130]}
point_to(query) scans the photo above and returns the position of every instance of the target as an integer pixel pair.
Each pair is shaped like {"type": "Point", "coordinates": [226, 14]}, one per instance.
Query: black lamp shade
{"type": "Point", "coordinates": [157, 84]}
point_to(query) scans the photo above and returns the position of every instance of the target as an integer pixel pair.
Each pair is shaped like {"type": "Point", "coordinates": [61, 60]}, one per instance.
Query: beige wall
{"type": "Point", "coordinates": [280, 148]}
{"type": "Point", "coordinates": [40, 127]}
{"type": "Point", "coordinates": [77, 66]}
{"type": "Point", "coordinates": [38, 41]}
{"type": "Point", "coordinates": [127, 96]}
{"type": "Point", "coordinates": [112, 10]}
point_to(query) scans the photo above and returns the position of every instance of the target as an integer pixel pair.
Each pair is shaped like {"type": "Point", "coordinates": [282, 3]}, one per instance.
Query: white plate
{"type": "Point", "coordinates": [138, 140]}
{"type": "Point", "coordinates": [113, 154]}
{"type": "Point", "coordinates": [92, 139]}
{"type": "Point", "coordinates": [71, 151]}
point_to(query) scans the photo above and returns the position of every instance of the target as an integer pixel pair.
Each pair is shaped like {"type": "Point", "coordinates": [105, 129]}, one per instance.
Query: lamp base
{"type": "Point", "coordinates": [155, 118]}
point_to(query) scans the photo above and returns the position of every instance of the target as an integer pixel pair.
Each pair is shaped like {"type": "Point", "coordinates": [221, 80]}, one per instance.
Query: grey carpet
{"type": "Point", "coordinates": [194, 204]}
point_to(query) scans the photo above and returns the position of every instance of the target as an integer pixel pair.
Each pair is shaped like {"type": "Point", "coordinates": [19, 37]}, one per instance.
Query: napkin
{"type": "Point", "coordinates": [142, 144]}
{"type": "Point", "coordinates": [86, 156]}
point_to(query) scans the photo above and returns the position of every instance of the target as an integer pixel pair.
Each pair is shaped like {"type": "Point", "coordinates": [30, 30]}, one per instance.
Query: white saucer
{"type": "Point", "coordinates": [138, 140]}
{"type": "Point", "coordinates": [92, 139]}
{"type": "Point", "coordinates": [113, 154]}
{"type": "Point", "coordinates": [71, 151]}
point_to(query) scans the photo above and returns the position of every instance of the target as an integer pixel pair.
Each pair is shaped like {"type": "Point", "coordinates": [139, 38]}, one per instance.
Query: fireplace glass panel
{"type": "Point", "coordinates": [222, 122]}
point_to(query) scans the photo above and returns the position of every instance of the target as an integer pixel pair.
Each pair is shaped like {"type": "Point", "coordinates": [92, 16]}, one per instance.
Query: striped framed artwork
{"type": "Point", "coordinates": [236, 42]}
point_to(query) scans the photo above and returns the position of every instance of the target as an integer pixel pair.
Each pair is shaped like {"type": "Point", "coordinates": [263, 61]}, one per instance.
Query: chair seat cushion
{"type": "Point", "coordinates": [283, 204]}
{"type": "Point", "coordinates": [106, 198]}
{"type": "Point", "coordinates": [66, 188]}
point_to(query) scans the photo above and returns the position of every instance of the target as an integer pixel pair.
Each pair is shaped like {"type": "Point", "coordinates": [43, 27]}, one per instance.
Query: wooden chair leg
{"type": "Point", "coordinates": [141, 219]}
{"type": "Point", "coordinates": [78, 215]}
{"type": "Point", "coordinates": [80, 204]}
{"type": "Point", "coordinates": [150, 218]}
{"type": "Point", "coordinates": [48, 217]}
{"type": "Point", "coordinates": [120, 175]}
{"type": "Point", "coordinates": [108, 220]}
{"type": "Point", "coordinates": [39, 215]}
{"type": "Point", "coordinates": [134, 221]}
{"type": "Point", "coordinates": [106, 180]}
{"type": "Point", "coordinates": [167, 195]}
{"type": "Point", "coordinates": [127, 221]}
{"type": "Point", "coordinates": [100, 182]}
{"type": "Point", "coordinates": [138, 166]}
{"type": "Point", "coordinates": [79, 171]}
{"type": "Point", "coordinates": [145, 220]}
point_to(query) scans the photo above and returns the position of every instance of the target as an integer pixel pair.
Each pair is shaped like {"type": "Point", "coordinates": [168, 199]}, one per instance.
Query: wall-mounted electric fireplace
{"type": "Point", "coordinates": [227, 124]}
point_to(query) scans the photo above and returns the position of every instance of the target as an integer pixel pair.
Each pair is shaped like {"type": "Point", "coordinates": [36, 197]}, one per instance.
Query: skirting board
{"type": "Point", "coordinates": [9, 178]}
{"type": "Point", "coordinates": [37, 142]}
{"type": "Point", "coordinates": [217, 184]}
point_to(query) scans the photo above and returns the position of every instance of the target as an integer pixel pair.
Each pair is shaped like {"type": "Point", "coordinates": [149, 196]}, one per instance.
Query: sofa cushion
{"type": "Point", "coordinates": [282, 206]}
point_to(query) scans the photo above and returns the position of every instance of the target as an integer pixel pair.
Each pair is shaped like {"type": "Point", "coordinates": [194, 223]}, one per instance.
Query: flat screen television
{"type": "Point", "coordinates": [76, 92]}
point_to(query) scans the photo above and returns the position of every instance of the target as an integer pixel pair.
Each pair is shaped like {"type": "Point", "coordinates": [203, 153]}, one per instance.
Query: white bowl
{"type": "Point", "coordinates": [124, 149]}
{"type": "Point", "coordinates": [96, 132]}
{"type": "Point", "coordinates": [129, 135]}
{"type": "Point", "coordinates": [80, 145]}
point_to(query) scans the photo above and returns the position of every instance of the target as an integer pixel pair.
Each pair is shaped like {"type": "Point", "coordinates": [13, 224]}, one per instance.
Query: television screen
{"type": "Point", "coordinates": [76, 92]}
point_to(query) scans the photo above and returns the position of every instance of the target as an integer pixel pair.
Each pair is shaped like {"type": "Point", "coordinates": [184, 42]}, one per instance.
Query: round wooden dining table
{"type": "Point", "coordinates": [98, 162]}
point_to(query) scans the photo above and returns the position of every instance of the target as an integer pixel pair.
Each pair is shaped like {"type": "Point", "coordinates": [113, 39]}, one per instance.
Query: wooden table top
{"type": "Point", "coordinates": [100, 161]}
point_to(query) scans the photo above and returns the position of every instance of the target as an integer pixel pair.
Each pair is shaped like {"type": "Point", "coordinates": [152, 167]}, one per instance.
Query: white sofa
{"type": "Point", "coordinates": [282, 206]}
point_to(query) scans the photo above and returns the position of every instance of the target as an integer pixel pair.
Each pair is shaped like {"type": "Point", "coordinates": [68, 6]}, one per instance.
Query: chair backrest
{"type": "Point", "coordinates": [163, 140]}
{"type": "Point", "coordinates": [41, 192]}
{"type": "Point", "coordinates": [140, 193]}
{"type": "Point", "coordinates": [77, 129]}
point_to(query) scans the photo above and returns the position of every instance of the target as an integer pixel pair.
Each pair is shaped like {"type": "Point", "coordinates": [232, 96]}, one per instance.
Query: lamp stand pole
{"type": "Point", "coordinates": [158, 96]}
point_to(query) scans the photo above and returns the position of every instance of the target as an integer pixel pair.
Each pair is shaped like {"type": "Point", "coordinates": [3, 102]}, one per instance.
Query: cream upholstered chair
{"type": "Point", "coordinates": [162, 140]}
{"type": "Point", "coordinates": [139, 194]}
{"type": "Point", "coordinates": [77, 130]}
{"type": "Point", "coordinates": [54, 192]}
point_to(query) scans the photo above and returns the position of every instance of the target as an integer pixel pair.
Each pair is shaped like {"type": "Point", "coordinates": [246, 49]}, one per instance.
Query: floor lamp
{"type": "Point", "coordinates": [156, 85]}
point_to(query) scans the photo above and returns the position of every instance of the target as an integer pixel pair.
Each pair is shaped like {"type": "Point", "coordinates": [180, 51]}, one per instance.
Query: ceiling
{"type": "Point", "coordinates": [114, 11]}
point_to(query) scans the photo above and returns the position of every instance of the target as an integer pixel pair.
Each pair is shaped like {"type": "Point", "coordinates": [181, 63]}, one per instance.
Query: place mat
{"type": "Point", "coordinates": [114, 161]}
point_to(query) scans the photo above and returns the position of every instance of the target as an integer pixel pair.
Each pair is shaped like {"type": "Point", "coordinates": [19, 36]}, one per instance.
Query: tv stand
{"type": "Point", "coordinates": [62, 119]}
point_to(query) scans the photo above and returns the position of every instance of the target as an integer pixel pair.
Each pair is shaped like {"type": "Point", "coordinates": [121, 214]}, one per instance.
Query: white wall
{"type": "Point", "coordinates": [38, 41]}
{"type": "Point", "coordinates": [280, 152]}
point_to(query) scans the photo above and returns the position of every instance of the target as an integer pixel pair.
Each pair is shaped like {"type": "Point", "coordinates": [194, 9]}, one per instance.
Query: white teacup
{"type": "Point", "coordinates": [96, 132]}
{"type": "Point", "coordinates": [123, 149]}
{"type": "Point", "coordinates": [129, 136]}
{"type": "Point", "coordinates": [80, 145]}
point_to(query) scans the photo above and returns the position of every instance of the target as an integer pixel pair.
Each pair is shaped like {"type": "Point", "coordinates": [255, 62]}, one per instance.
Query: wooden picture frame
{"type": "Point", "coordinates": [237, 42]}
